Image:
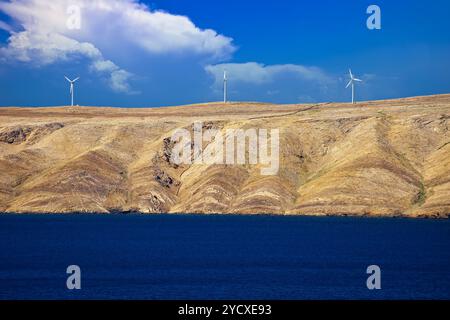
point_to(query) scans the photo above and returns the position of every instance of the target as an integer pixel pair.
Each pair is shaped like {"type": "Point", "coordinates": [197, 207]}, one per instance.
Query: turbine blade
{"type": "Point", "coordinates": [350, 72]}
{"type": "Point", "coordinates": [75, 79]}
{"type": "Point", "coordinates": [359, 80]}
{"type": "Point", "coordinates": [67, 79]}
{"type": "Point", "coordinates": [348, 84]}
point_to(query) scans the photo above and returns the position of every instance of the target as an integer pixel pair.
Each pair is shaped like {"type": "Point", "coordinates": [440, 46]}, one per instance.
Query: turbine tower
{"type": "Point", "coordinates": [225, 79]}
{"type": "Point", "coordinates": [71, 86]}
{"type": "Point", "coordinates": [352, 82]}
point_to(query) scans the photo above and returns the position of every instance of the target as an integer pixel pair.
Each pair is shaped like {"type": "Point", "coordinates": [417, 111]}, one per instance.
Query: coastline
{"type": "Point", "coordinates": [383, 158]}
{"type": "Point", "coordinates": [117, 213]}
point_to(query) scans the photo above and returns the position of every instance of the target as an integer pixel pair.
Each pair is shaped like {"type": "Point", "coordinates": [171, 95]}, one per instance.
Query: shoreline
{"type": "Point", "coordinates": [365, 216]}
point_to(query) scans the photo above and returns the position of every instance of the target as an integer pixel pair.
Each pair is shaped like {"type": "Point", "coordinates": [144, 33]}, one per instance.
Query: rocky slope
{"type": "Point", "coordinates": [383, 158]}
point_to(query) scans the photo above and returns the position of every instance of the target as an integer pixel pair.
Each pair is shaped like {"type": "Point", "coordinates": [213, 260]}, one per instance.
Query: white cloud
{"type": "Point", "coordinates": [161, 32]}
{"type": "Point", "coordinates": [107, 27]}
{"type": "Point", "coordinates": [119, 81]}
{"type": "Point", "coordinates": [46, 48]}
{"type": "Point", "coordinates": [104, 65]}
{"type": "Point", "coordinates": [257, 73]}
{"type": "Point", "coordinates": [255, 81]}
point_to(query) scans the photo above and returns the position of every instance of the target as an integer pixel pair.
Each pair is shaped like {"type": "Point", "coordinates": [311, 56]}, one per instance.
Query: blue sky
{"type": "Point", "coordinates": [143, 54]}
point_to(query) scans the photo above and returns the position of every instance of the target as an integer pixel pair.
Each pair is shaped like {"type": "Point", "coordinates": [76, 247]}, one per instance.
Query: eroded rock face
{"type": "Point", "coordinates": [30, 134]}
{"type": "Point", "coordinates": [15, 135]}
{"type": "Point", "coordinates": [164, 179]}
{"type": "Point", "coordinates": [383, 158]}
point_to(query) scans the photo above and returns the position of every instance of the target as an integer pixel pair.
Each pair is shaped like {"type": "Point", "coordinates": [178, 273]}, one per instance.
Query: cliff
{"type": "Point", "coordinates": [378, 158]}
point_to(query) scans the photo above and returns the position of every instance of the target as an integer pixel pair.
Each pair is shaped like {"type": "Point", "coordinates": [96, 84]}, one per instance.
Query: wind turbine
{"type": "Point", "coordinates": [352, 82]}
{"type": "Point", "coordinates": [225, 79]}
{"type": "Point", "coordinates": [71, 86]}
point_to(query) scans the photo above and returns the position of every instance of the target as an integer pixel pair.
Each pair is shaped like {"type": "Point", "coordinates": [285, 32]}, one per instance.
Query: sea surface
{"type": "Point", "coordinates": [222, 257]}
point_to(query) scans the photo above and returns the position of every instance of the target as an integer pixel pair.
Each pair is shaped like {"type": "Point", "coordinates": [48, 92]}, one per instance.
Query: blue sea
{"type": "Point", "coordinates": [222, 257]}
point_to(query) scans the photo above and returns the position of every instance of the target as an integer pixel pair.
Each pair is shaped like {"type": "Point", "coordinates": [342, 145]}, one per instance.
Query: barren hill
{"type": "Point", "coordinates": [380, 158]}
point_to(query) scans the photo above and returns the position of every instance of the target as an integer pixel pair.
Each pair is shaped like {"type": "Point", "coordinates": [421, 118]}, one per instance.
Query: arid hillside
{"type": "Point", "coordinates": [380, 158]}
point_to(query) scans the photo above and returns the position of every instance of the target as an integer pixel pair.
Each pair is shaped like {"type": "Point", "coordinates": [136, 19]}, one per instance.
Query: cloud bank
{"type": "Point", "coordinates": [127, 44]}
{"type": "Point", "coordinates": [253, 80]}
{"type": "Point", "coordinates": [39, 35]}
